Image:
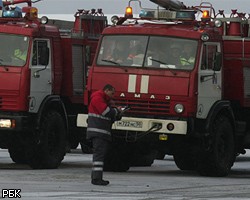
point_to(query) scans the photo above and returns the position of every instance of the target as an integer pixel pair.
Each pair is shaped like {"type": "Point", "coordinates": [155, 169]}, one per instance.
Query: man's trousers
{"type": "Point", "coordinates": [100, 147]}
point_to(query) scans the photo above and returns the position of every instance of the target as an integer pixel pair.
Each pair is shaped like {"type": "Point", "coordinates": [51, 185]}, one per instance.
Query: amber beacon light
{"type": "Point", "coordinates": [129, 12]}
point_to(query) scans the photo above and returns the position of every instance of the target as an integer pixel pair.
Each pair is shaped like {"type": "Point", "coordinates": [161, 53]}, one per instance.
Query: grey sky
{"type": "Point", "coordinates": [118, 6]}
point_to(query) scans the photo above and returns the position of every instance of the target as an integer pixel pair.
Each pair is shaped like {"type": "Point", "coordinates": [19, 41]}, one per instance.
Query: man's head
{"type": "Point", "coordinates": [175, 50]}
{"type": "Point", "coordinates": [188, 48]}
{"type": "Point", "coordinates": [109, 90]}
{"type": "Point", "coordinates": [121, 44]}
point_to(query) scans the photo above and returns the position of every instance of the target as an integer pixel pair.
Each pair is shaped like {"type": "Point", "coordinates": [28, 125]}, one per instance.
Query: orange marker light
{"type": "Point", "coordinates": [129, 12]}
{"type": "Point", "coordinates": [33, 13]}
{"type": "Point", "coordinates": [13, 123]}
{"type": "Point", "coordinates": [205, 14]}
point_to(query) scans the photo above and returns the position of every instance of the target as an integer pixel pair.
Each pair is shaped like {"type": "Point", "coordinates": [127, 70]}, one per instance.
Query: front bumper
{"type": "Point", "coordinates": [177, 127]}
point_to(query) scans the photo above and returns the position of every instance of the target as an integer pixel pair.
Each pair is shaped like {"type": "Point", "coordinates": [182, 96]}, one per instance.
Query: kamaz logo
{"type": "Point", "coordinates": [138, 85]}
{"type": "Point", "coordinates": [152, 96]}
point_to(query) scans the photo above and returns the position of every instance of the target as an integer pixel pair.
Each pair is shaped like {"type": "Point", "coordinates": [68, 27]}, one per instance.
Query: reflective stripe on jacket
{"type": "Point", "coordinates": [22, 55]}
{"type": "Point", "coordinates": [185, 61]}
{"type": "Point", "coordinates": [101, 116]}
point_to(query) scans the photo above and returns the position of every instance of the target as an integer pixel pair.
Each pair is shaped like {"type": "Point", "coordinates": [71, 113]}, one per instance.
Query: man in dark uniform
{"type": "Point", "coordinates": [100, 119]}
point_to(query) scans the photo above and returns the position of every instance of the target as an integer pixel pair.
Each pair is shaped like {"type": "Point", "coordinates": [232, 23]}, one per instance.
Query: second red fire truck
{"type": "Point", "coordinates": [43, 75]}
{"type": "Point", "coordinates": [185, 74]}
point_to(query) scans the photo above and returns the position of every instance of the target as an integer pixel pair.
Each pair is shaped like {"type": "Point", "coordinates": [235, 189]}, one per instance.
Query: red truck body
{"type": "Point", "coordinates": [197, 109]}
{"type": "Point", "coordinates": [41, 89]}
{"type": "Point", "coordinates": [236, 71]}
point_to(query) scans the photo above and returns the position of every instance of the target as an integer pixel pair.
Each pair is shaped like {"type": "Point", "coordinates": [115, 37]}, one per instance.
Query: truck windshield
{"type": "Point", "coordinates": [13, 50]}
{"type": "Point", "coordinates": [147, 51]}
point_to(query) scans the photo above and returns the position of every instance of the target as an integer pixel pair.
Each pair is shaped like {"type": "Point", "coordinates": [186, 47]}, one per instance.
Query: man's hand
{"type": "Point", "coordinates": [123, 109]}
{"type": "Point", "coordinates": [119, 108]}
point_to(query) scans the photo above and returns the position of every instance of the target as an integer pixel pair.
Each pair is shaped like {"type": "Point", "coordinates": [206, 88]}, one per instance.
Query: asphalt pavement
{"type": "Point", "coordinates": [163, 180]}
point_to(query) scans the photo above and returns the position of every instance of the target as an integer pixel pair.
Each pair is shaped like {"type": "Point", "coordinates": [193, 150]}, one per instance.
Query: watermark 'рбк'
{"type": "Point", "coordinates": [11, 193]}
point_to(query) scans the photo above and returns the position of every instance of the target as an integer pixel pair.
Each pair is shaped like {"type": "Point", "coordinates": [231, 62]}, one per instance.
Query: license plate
{"type": "Point", "coordinates": [133, 124]}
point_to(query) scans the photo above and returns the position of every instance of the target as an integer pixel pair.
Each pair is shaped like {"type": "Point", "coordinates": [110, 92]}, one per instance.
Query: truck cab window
{"type": "Point", "coordinates": [147, 52]}
{"type": "Point", "coordinates": [120, 50]}
{"type": "Point", "coordinates": [39, 46]}
{"type": "Point", "coordinates": [156, 52]}
{"type": "Point", "coordinates": [208, 56]}
{"type": "Point", "coordinates": [17, 52]}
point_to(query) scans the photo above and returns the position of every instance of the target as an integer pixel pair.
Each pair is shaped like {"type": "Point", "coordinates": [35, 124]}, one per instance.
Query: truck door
{"type": "Point", "coordinates": [209, 80]}
{"type": "Point", "coordinates": [40, 80]}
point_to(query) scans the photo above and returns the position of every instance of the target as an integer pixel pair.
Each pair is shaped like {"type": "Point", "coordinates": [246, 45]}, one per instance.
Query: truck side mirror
{"type": "Point", "coordinates": [217, 61]}
{"type": "Point", "coordinates": [44, 59]}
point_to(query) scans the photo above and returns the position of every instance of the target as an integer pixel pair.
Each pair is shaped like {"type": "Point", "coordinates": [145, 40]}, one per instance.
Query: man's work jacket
{"type": "Point", "coordinates": [22, 55]}
{"type": "Point", "coordinates": [100, 116]}
{"type": "Point", "coordinates": [187, 61]}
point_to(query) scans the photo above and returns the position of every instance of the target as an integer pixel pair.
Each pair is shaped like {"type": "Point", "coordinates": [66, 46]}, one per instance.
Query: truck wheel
{"type": "Point", "coordinates": [74, 138]}
{"type": "Point", "coordinates": [18, 149]}
{"type": "Point", "coordinates": [86, 147]}
{"type": "Point", "coordinates": [117, 158]}
{"type": "Point", "coordinates": [74, 144]}
{"type": "Point", "coordinates": [49, 153]}
{"type": "Point", "coordinates": [140, 159]}
{"type": "Point", "coordinates": [160, 155]}
{"type": "Point", "coordinates": [218, 159]}
{"type": "Point", "coordinates": [185, 153]}
{"type": "Point", "coordinates": [18, 155]}
{"type": "Point", "coordinates": [185, 161]}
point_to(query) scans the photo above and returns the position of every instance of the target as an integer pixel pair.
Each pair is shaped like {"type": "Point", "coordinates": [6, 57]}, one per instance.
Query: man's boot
{"type": "Point", "coordinates": [96, 175]}
{"type": "Point", "coordinates": [99, 182]}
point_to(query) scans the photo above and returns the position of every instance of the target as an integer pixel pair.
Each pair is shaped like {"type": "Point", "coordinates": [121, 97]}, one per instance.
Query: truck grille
{"type": "Point", "coordinates": [145, 107]}
{"type": "Point", "coordinates": [8, 103]}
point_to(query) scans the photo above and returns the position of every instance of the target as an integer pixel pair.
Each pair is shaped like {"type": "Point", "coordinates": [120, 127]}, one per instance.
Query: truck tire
{"type": "Point", "coordinates": [185, 161]}
{"type": "Point", "coordinates": [18, 154]}
{"type": "Point", "coordinates": [160, 155]}
{"type": "Point", "coordinates": [185, 153]}
{"type": "Point", "coordinates": [51, 150]}
{"type": "Point", "coordinates": [18, 148]}
{"type": "Point", "coordinates": [117, 158]}
{"type": "Point", "coordinates": [86, 147]}
{"type": "Point", "coordinates": [74, 138]}
{"type": "Point", "coordinates": [74, 144]}
{"type": "Point", "coordinates": [143, 160]}
{"type": "Point", "coordinates": [218, 159]}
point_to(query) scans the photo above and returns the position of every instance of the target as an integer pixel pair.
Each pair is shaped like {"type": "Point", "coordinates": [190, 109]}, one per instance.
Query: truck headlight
{"type": "Point", "coordinates": [7, 123]}
{"type": "Point", "coordinates": [179, 108]}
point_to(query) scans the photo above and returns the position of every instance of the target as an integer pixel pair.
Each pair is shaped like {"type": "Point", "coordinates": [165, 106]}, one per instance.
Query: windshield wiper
{"type": "Point", "coordinates": [159, 61]}
{"type": "Point", "coordinates": [111, 61]}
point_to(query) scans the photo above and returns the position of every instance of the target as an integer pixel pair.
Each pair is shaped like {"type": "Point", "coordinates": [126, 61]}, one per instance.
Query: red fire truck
{"type": "Point", "coordinates": [185, 74]}
{"type": "Point", "coordinates": [43, 75]}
